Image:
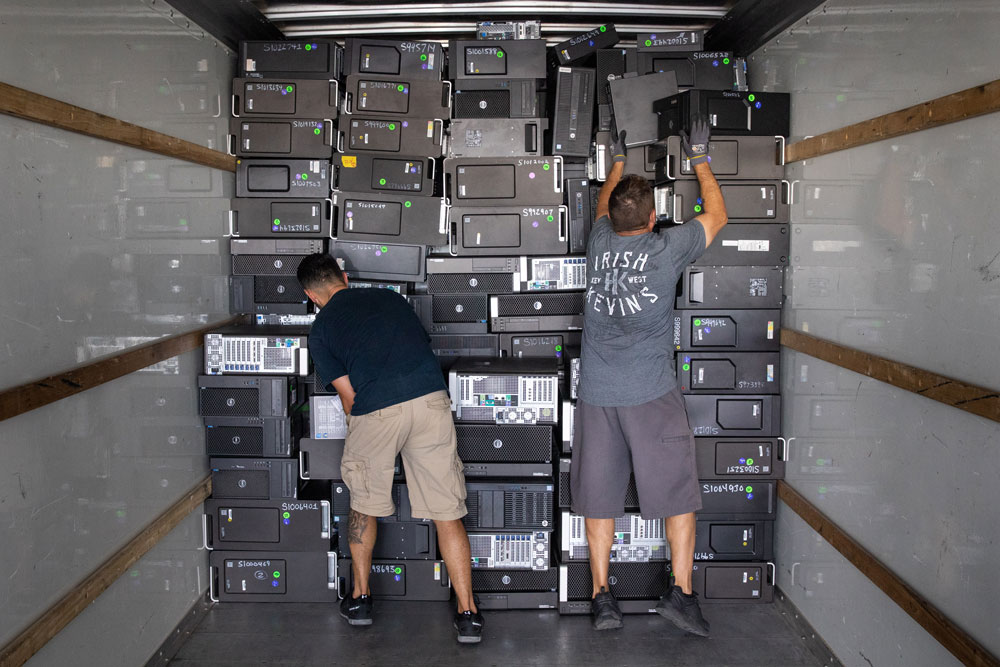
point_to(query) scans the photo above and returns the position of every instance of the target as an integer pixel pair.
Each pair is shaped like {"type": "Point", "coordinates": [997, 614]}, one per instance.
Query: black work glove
{"type": "Point", "coordinates": [618, 150]}
{"type": "Point", "coordinates": [696, 146]}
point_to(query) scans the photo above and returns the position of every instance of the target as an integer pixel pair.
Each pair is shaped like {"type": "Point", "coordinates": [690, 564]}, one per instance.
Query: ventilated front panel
{"type": "Point", "coordinates": [628, 581]}
{"type": "Point", "coordinates": [504, 581]}
{"type": "Point", "coordinates": [278, 289]}
{"type": "Point", "coordinates": [540, 304]}
{"type": "Point", "coordinates": [527, 509]}
{"type": "Point", "coordinates": [230, 402]}
{"type": "Point", "coordinates": [241, 484]}
{"type": "Point", "coordinates": [504, 444]}
{"type": "Point", "coordinates": [478, 345]}
{"type": "Point", "coordinates": [459, 308]}
{"type": "Point", "coordinates": [610, 63]}
{"type": "Point", "coordinates": [482, 104]}
{"type": "Point", "coordinates": [234, 441]}
{"type": "Point", "coordinates": [253, 265]}
{"type": "Point", "coordinates": [485, 283]}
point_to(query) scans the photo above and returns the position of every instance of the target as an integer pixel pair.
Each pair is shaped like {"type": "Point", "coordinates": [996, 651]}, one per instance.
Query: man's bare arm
{"type": "Point", "coordinates": [346, 392]}
{"type": "Point", "coordinates": [615, 175]}
{"type": "Point", "coordinates": [715, 217]}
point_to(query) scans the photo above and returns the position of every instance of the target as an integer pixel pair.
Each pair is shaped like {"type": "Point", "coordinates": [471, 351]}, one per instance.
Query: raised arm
{"type": "Point", "coordinates": [615, 175]}
{"type": "Point", "coordinates": [714, 216]}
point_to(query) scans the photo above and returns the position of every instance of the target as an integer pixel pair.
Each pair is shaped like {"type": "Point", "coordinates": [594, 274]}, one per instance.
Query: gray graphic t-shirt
{"type": "Point", "coordinates": [627, 351]}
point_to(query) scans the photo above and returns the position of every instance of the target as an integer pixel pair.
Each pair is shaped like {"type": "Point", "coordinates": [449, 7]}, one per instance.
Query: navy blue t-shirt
{"type": "Point", "coordinates": [374, 336]}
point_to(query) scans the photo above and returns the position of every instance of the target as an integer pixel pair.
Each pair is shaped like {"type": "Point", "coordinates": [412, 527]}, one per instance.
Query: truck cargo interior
{"type": "Point", "coordinates": [187, 482]}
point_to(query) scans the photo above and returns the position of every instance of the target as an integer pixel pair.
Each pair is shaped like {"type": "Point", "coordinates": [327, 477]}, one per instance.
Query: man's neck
{"type": "Point", "coordinates": [327, 293]}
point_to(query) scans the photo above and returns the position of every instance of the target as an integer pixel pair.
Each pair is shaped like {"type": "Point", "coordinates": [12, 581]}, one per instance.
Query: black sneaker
{"type": "Point", "coordinates": [683, 611]}
{"type": "Point", "coordinates": [470, 627]}
{"type": "Point", "coordinates": [357, 611]}
{"type": "Point", "coordinates": [604, 609]}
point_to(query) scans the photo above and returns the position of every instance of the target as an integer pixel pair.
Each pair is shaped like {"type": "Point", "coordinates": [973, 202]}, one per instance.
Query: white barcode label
{"type": "Point", "coordinates": [748, 245]}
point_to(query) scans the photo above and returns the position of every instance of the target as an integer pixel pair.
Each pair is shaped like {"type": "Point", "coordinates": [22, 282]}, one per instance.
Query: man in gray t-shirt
{"type": "Point", "coordinates": [630, 416]}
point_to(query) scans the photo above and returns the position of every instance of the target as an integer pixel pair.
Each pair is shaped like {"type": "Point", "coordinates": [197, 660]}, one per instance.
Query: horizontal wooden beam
{"type": "Point", "coordinates": [60, 614]}
{"type": "Point", "coordinates": [958, 394]}
{"type": "Point", "coordinates": [31, 106]}
{"type": "Point", "coordinates": [27, 397]}
{"type": "Point", "coordinates": [958, 642]}
{"type": "Point", "coordinates": [967, 103]}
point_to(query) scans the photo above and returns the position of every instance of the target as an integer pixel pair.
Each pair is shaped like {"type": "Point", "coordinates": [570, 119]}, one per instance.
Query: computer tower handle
{"type": "Point", "coordinates": [329, 133]}
{"type": "Point", "coordinates": [325, 524]}
{"type": "Point", "coordinates": [303, 465]}
{"type": "Point", "coordinates": [331, 573]}
{"type": "Point", "coordinates": [206, 532]}
{"type": "Point", "coordinates": [213, 586]}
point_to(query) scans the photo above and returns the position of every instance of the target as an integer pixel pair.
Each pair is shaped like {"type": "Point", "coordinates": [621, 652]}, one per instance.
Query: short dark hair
{"type": "Point", "coordinates": [318, 270]}
{"type": "Point", "coordinates": [630, 204]}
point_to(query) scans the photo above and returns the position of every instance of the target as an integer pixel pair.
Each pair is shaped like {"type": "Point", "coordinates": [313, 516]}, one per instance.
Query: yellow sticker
{"type": "Point", "coordinates": [350, 161]}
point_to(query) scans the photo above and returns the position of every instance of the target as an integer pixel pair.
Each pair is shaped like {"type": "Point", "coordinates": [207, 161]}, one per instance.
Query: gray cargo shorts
{"type": "Point", "coordinates": [653, 439]}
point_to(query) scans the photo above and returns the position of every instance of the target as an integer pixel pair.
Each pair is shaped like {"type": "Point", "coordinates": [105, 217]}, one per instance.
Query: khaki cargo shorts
{"type": "Point", "coordinates": [420, 430]}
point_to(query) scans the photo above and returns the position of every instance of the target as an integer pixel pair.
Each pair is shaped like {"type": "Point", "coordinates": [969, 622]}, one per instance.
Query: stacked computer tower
{"type": "Point", "coordinates": [729, 381]}
{"type": "Point", "coordinates": [465, 179]}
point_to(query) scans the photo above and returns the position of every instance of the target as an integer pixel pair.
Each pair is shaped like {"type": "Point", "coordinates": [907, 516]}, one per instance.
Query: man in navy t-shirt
{"type": "Point", "coordinates": [370, 345]}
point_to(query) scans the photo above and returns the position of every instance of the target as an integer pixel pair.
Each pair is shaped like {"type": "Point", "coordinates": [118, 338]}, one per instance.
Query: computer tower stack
{"type": "Point", "coordinates": [506, 411]}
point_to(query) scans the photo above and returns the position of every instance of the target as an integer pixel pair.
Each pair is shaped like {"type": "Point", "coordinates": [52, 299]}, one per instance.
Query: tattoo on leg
{"type": "Point", "coordinates": [356, 525]}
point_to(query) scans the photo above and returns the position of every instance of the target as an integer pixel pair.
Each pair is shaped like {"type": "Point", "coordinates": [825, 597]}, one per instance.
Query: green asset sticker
{"type": "Point", "coordinates": [276, 574]}
{"type": "Point", "coordinates": [399, 87]}
{"type": "Point", "coordinates": [399, 570]}
{"type": "Point", "coordinates": [545, 167]}
{"type": "Point", "coordinates": [287, 515]}
{"type": "Point", "coordinates": [549, 218]}
{"type": "Point", "coordinates": [289, 88]}
{"type": "Point", "coordinates": [381, 181]}
{"type": "Point", "coordinates": [407, 204]}
{"type": "Point", "coordinates": [182, 222]}
{"type": "Point", "coordinates": [751, 97]}
{"type": "Point", "coordinates": [749, 463]}
{"type": "Point", "coordinates": [749, 489]}
{"type": "Point", "coordinates": [309, 47]}
{"type": "Point", "coordinates": [305, 176]}
{"type": "Point", "coordinates": [603, 29]}
{"type": "Point", "coordinates": [725, 61]}
{"type": "Point", "coordinates": [385, 249]}
{"type": "Point", "coordinates": [697, 323]}
{"type": "Point", "coordinates": [687, 367]}
{"type": "Point", "coordinates": [317, 131]}
{"type": "Point", "coordinates": [649, 43]}
{"type": "Point", "coordinates": [277, 221]}
{"type": "Point", "coordinates": [697, 208]}
{"type": "Point", "coordinates": [558, 348]}
{"type": "Point", "coordinates": [392, 126]}
{"type": "Point", "coordinates": [499, 54]}
{"type": "Point", "coordinates": [423, 56]}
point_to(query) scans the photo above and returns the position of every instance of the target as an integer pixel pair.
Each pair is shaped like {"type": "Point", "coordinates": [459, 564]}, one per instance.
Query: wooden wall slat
{"type": "Point", "coordinates": [967, 103]}
{"type": "Point", "coordinates": [958, 642]}
{"type": "Point", "coordinates": [27, 397]}
{"type": "Point", "coordinates": [31, 106]}
{"type": "Point", "coordinates": [958, 394]}
{"type": "Point", "coordinates": [60, 614]}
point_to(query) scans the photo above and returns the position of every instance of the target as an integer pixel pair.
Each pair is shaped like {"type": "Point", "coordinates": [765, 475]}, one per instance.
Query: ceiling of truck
{"type": "Point", "coordinates": [442, 20]}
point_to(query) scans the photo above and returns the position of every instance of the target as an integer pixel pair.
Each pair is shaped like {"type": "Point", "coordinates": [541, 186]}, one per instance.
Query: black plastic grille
{"type": "Point", "coordinates": [253, 484]}
{"type": "Point", "coordinates": [609, 62]}
{"type": "Point", "coordinates": [459, 307]}
{"type": "Point", "coordinates": [628, 581]}
{"type": "Point", "coordinates": [540, 304]}
{"type": "Point", "coordinates": [266, 265]}
{"type": "Point", "coordinates": [229, 402]}
{"type": "Point", "coordinates": [278, 289]}
{"type": "Point", "coordinates": [528, 509]}
{"type": "Point", "coordinates": [482, 104]}
{"type": "Point", "coordinates": [503, 581]}
{"type": "Point", "coordinates": [485, 283]}
{"type": "Point", "coordinates": [234, 441]}
{"type": "Point", "coordinates": [504, 444]}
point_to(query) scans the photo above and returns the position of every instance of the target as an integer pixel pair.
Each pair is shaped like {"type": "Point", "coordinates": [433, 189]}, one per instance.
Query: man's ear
{"type": "Point", "coordinates": [652, 219]}
{"type": "Point", "coordinates": [311, 294]}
